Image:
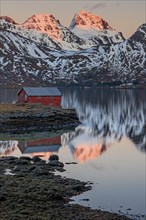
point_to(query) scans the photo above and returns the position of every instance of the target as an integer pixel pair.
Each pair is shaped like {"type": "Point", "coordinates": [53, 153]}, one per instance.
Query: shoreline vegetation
{"type": "Point", "coordinates": [29, 188]}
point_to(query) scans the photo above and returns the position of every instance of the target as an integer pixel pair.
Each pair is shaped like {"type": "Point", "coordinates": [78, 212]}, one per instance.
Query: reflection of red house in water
{"type": "Point", "coordinates": [43, 147]}
{"type": "Point", "coordinates": [43, 95]}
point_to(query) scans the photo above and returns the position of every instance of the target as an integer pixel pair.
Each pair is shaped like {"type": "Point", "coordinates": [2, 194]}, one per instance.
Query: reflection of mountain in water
{"type": "Point", "coordinates": [7, 148]}
{"type": "Point", "coordinates": [84, 143]}
{"type": "Point", "coordinates": [109, 114]}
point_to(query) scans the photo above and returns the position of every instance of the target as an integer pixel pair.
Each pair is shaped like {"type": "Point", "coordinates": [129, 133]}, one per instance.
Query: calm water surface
{"type": "Point", "coordinates": [109, 147]}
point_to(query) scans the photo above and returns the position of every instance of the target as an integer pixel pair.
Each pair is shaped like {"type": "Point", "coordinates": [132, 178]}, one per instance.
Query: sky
{"type": "Point", "coordinates": [125, 15]}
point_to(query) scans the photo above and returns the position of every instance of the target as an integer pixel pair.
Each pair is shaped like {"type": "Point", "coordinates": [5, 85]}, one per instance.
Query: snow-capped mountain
{"type": "Point", "coordinates": [42, 51]}
{"type": "Point", "coordinates": [7, 24]}
{"type": "Point", "coordinates": [25, 61]}
{"type": "Point", "coordinates": [44, 28]}
{"type": "Point", "coordinates": [47, 24]}
{"type": "Point", "coordinates": [94, 29]}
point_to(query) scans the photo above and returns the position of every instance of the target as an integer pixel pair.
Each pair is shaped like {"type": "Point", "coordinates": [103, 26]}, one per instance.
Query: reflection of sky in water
{"type": "Point", "coordinates": [109, 147]}
{"type": "Point", "coordinates": [118, 176]}
{"type": "Point", "coordinates": [118, 173]}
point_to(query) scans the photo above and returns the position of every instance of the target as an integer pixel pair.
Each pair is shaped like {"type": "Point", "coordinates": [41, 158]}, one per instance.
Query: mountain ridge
{"type": "Point", "coordinates": [48, 25]}
{"type": "Point", "coordinates": [34, 57]}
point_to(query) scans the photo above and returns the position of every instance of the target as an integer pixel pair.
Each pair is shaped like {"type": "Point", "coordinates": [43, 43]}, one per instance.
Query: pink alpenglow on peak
{"type": "Point", "coordinates": [91, 27]}
{"type": "Point", "coordinates": [43, 23]}
{"type": "Point", "coordinates": [86, 20]}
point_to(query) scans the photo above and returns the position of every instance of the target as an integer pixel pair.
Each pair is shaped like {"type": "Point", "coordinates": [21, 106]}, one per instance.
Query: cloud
{"type": "Point", "coordinates": [98, 5]}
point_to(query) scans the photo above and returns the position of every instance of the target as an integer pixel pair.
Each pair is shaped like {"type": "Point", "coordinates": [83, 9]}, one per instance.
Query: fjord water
{"type": "Point", "coordinates": [109, 147]}
{"type": "Point", "coordinates": [8, 95]}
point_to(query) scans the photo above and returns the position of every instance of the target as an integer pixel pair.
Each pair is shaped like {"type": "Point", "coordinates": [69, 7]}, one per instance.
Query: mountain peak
{"type": "Point", "coordinates": [86, 20]}
{"type": "Point", "coordinates": [140, 34]}
{"type": "Point", "coordinates": [93, 28]}
{"type": "Point", "coordinates": [7, 19]}
{"type": "Point", "coordinates": [41, 18]}
{"type": "Point", "coordinates": [44, 23]}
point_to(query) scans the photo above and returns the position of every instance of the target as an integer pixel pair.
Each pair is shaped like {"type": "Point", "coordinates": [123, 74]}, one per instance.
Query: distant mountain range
{"type": "Point", "coordinates": [90, 52]}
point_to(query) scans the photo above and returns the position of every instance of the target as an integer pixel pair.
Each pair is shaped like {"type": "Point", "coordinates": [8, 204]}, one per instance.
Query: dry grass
{"type": "Point", "coordinates": [26, 107]}
{"type": "Point", "coordinates": [11, 108]}
{"type": "Point", "coordinates": [21, 107]}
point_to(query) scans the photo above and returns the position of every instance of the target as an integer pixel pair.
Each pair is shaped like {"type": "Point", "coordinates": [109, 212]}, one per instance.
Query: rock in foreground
{"type": "Point", "coordinates": [34, 192]}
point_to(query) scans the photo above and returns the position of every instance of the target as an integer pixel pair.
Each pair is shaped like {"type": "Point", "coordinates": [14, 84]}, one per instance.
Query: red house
{"type": "Point", "coordinates": [43, 95]}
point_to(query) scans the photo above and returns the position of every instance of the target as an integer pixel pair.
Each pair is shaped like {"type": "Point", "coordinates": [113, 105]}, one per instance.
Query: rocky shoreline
{"type": "Point", "coordinates": [29, 189]}
{"type": "Point", "coordinates": [22, 119]}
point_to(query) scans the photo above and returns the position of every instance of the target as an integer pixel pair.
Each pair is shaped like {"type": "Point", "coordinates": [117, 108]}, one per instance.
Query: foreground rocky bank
{"type": "Point", "coordinates": [30, 190]}
{"type": "Point", "coordinates": [24, 118]}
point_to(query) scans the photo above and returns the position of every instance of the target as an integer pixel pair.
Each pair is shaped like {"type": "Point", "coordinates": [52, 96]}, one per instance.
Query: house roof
{"type": "Point", "coordinates": [41, 91]}
{"type": "Point", "coordinates": [37, 149]}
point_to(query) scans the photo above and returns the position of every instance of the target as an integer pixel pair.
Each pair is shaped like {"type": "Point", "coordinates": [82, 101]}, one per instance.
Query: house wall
{"type": "Point", "coordinates": [45, 141]}
{"type": "Point", "coordinates": [22, 97]}
{"type": "Point", "coordinates": [45, 100]}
